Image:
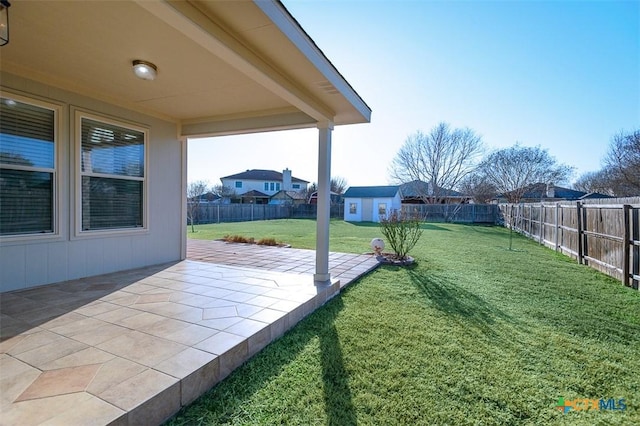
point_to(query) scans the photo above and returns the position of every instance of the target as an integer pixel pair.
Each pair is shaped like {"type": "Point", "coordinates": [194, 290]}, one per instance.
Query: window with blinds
{"type": "Point", "coordinates": [27, 167]}
{"type": "Point", "coordinates": [112, 175]}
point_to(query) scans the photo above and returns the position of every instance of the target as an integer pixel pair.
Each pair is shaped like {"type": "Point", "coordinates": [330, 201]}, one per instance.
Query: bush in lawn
{"type": "Point", "coordinates": [402, 232]}
{"type": "Point", "coordinates": [238, 239]}
{"type": "Point", "coordinates": [267, 242]}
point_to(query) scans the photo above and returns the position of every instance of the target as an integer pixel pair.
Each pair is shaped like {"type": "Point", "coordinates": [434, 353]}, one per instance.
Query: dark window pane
{"type": "Point", "coordinates": [111, 203]}
{"type": "Point", "coordinates": [111, 149]}
{"type": "Point", "coordinates": [25, 202]}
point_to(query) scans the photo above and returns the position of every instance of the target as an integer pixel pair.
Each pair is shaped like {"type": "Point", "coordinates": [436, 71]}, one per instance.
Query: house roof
{"type": "Point", "coordinates": [314, 194]}
{"type": "Point", "coordinates": [592, 195]}
{"type": "Point", "coordinates": [371, 192]}
{"type": "Point", "coordinates": [262, 175]}
{"type": "Point", "coordinates": [417, 189]}
{"type": "Point", "coordinates": [253, 193]}
{"type": "Point", "coordinates": [294, 195]}
{"type": "Point", "coordinates": [209, 196]}
{"type": "Point", "coordinates": [539, 191]}
{"type": "Point", "coordinates": [224, 67]}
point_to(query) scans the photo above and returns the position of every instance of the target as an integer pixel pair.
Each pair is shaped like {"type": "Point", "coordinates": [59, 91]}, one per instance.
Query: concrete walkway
{"type": "Point", "coordinates": [133, 347]}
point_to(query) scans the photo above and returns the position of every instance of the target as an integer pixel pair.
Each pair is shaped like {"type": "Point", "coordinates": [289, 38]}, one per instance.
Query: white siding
{"type": "Point", "coordinates": [372, 205]}
{"type": "Point", "coordinates": [357, 216]}
{"type": "Point", "coordinates": [26, 263]}
{"type": "Point", "coordinates": [249, 185]}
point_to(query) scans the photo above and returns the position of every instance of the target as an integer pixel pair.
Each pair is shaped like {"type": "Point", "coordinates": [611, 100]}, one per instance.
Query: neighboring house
{"type": "Point", "coordinates": [257, 184]}
{"type": "Point", "coordinates": [549, 193]}
{"type": "Point", "coordinates": [333, 196]}
{"type": "Point", "coordinates": [371, 203]}
{"type": "Point", "coordinates": [98, 100]}
{"type": "Point", "coordinates": [209, 197]}
{"type": "Point", "coordinates": [253, 197]}
{"type": "Point", "coordinates": [418, 192]}
{"type": "Point", "coordinates": [288, 197]}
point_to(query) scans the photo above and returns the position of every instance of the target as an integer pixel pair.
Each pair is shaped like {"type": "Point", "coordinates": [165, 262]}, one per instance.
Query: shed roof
{"type": "Point", "coordinates": [372, 191]}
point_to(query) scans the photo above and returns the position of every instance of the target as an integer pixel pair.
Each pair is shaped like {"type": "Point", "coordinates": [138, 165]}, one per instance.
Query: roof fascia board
{"type": "Point", "coordinates": [296, 34]}
{"type": "Point", "coordinates": [199, 27]}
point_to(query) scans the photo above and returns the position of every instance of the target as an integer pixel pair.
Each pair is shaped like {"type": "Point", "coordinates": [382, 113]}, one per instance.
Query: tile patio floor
{"type": "Point", "coordinates": [133, 347]}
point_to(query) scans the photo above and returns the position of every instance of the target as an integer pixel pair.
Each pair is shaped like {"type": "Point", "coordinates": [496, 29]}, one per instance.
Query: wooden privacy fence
{"type": "Point", "coordinates": [459, 213]}
{"type": "Point", "coordinates": [604, 234]}
{"type": "Point", "coordinates": [221, 213]}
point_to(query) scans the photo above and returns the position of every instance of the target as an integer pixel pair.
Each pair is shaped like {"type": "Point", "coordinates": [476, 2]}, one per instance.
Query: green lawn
{"type": "Point", "coordinates": [472, 334]}
{"type": "Point", "coordinates": [300, 233]}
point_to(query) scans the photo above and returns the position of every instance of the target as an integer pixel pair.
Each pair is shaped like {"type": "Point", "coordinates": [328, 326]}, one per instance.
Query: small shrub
{"type": "Point", "coordinates": [402, 232]}
{"type": "Point", "coordinates": [237, 239]}
{"type": "Point", "coordinates": [267, 242]}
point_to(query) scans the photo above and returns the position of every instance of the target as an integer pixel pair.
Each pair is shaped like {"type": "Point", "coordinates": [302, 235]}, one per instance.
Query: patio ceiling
{"type": "Point", "coordinates": [224, 67]}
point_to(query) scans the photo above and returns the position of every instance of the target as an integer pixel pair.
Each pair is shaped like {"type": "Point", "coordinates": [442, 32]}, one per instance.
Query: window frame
{"type": "Point", "coordinates": [56, 172]}
{"type": "Point", "coordinates": [380, 207]}
{"type": "Point", "coordinates": [353, 208]}
{"type": "Point", "coordinates": [238, 184]}
{"type": "Point", "coordinates": [80, 114]}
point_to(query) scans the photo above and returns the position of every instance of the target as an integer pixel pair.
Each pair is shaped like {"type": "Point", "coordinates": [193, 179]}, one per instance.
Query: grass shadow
{"type": "Point", "coordinates": [433, 227]}
{"type": "Point", "coordinates": [458, 302]}
{"type": "Point", "coordinates": [337, 395]}
{"type": "Point", "coordinates": [224, 403]}
{"type": "Point", "coordinates": [424, 225]}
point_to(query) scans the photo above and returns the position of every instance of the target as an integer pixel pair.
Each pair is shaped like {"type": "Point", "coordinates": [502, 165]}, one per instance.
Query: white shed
{"type": "Point", "coordinates": [370, 203]}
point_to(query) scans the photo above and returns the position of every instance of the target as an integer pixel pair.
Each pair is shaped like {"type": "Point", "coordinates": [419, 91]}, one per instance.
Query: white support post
{"type": "Point", "coordinates": [324, 203]}
{"type": "Point", "coordinates": [183, 198]}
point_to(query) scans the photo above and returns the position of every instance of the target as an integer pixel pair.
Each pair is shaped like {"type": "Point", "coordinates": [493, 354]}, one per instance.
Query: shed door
{"type": "Point", "coordinates": [367, 209]}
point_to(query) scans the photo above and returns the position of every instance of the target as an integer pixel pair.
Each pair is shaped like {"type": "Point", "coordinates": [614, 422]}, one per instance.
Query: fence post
{"type": "Point", "coordinates": [541, 224]}
{"type": "Point", "coordinates": [585, 236]}
{"type": "Point", "coordinates": [626, 247]}
{"type": "Point", "coordinates": [557, 232]}
{"type": "Point", "coordinates": [635, 215]}
{"type": "Point", "coordinates": [580, 254]}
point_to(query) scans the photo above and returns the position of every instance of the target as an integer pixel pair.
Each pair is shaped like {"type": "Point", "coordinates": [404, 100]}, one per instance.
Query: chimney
{"type": "Point", "coordinates": [551, 191]}
{"type": "Point", "coordinates": [286, 180]}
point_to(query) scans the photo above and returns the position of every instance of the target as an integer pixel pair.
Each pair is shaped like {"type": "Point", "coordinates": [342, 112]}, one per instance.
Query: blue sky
{"type": "Point", "coordinates": [564, 75]}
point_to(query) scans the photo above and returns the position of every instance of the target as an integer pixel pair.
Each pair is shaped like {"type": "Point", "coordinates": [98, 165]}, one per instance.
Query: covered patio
{"type": "Point", "coordinates": [103, 320]}
{"type": "Point", "coordinates": [99, 144]}
{"type": "Point", "coordinates": [133, 347]}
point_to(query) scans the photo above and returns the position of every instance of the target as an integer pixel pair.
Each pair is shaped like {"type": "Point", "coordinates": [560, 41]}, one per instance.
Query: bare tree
{"type": "Point", "coordinates": [338, 184]}
{"type": "Point", "coordinates": [478, 186]}
{"type": "Point", "coordinates": [224, 191]}
{"type": "Point", "coordinates": [512, 170]}
{"type": "Point", "coordinates": [440, 158]}
{"type": "Point", "coordinates": [623, 162]}
{"type": "Point", "coordinates": [599, 181]}
{"type": "Point", "coordinates": [195, 190]}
